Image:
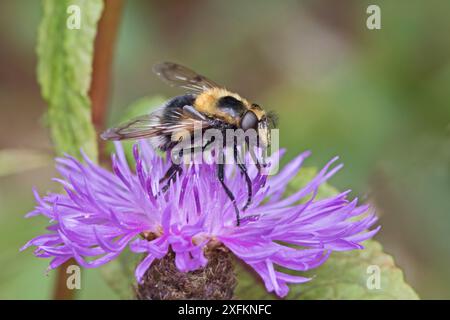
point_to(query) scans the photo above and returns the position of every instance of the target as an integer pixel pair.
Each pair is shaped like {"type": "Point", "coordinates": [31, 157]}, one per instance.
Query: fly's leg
{"type": "Point", "coordinates": [244, 171]}
{"type": "Point", "coordinates": [176, 168]}
{"type": "Point", "coordinates": [258, 164]}
{"type": "Point", "coordinates": [253, 155]}
{"type": "Point", "coordinates": [171, 175]}
{"type": "Point", "coordinates": [220, 175]}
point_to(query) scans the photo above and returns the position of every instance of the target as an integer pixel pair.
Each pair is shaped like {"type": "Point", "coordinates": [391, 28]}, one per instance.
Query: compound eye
{"type": "Point", "coordinates": [249, 121]}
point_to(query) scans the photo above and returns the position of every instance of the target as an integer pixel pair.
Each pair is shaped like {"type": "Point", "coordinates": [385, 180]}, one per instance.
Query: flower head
{"type": "Point", "coordinates": [103, 212]}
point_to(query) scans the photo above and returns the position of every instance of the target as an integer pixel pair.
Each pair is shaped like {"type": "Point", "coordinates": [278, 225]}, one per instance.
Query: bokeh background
{"type": "Point", "coordinates": [379, 99]}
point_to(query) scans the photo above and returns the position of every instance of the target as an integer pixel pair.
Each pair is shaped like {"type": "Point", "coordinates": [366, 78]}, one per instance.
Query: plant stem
{"type": "Point", "coordinates": [101, 72]}
{"type": "Point", "coordinates": [103, 58]}
{"type": "Point", "coordinates": [61, 292]}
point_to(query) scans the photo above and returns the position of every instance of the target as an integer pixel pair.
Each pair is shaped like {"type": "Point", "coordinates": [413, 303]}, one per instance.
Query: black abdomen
{"type": "Point", "coordinates": [175, 104]}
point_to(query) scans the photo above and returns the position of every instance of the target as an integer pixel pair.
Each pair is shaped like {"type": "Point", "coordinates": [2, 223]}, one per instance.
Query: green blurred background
{"type": "Point", "coordinates": [379, 99]}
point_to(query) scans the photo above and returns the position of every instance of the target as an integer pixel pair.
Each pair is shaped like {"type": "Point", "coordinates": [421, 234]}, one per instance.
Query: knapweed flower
{"type": "Point", "coordinates": [103, 212]}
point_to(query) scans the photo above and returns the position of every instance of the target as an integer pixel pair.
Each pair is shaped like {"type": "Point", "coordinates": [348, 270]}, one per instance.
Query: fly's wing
{"type": "Point", "coordinates": [183, 77]}
{"type": "Point", "coordinates": [145, 126]}
{"type": "Point", "coordinates": [161, 126]}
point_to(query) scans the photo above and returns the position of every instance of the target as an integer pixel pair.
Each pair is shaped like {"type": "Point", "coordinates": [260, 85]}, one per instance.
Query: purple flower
{"type": "Point", "coordinates": [103, 212]}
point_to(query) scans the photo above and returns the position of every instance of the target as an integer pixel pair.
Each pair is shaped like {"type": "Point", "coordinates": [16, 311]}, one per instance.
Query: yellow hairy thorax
{"type": "Point", "coordinates": [206, 102]}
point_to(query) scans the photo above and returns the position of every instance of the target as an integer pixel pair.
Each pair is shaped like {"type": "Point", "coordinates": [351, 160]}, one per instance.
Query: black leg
{"type": "Point", "coordinates": [194, 150]}
{"type": "Point", "coordinates": [176, 168]}
{"type": "Point", "coordinates": [253, 155]}
{"type": "Point", "coordinates": [258, 164]}
{"type": "Point", "coordinates": [170, 175]}
{"type": "Point", "coordinates": [220, 175]}
{"type": "Point", "coordinates": [243, 170]}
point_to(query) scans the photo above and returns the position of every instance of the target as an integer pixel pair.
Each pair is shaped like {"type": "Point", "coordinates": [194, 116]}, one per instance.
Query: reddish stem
{"type": "Point", "coordinates": [102, 64]}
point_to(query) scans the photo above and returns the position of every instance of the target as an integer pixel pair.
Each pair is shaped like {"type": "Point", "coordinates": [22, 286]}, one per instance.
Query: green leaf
{"type": "Point", "coordinates": [64, 73]}
{"type": "Point", "coordinates": [14, 161]}
{"type": "Point", "coordinates": [343, 276]}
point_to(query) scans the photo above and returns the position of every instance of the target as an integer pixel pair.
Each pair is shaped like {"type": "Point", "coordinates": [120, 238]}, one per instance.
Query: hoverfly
{"type": "Point", "coordinates": [207, 104]}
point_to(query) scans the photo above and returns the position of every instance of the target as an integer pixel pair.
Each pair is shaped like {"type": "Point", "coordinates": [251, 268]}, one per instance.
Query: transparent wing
{"type": "Point", "coordinates": [145, 126]}
{"type": "Point", "coordinates": [161, 123]}
{"type": "Point", "coordinates": [183, 77]}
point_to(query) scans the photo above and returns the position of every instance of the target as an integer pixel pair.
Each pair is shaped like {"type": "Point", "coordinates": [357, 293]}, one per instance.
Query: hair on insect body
{"type": "Point", "coordinates": [206, 106]}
